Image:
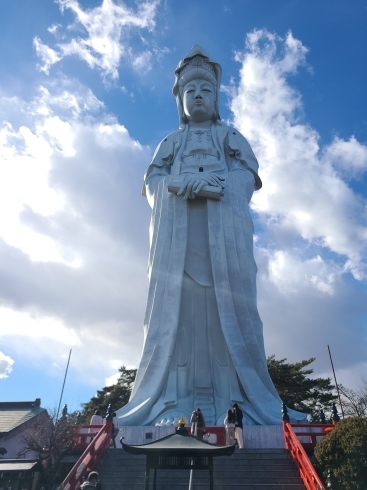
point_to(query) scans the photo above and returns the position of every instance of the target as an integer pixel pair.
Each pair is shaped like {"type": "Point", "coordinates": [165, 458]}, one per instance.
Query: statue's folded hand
{"type": "Point", "coordinates": [194, 183]}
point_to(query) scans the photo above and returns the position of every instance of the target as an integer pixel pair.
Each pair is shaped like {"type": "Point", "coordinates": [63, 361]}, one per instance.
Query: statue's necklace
{"type": "Point", "coordinates": [199, 135]}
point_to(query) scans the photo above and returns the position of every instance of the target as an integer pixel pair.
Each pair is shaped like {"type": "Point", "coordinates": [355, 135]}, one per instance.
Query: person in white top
{"type": "Point", "coordinates": [229, 423]}
{"type": "Point", "coordinates": [96, 419]}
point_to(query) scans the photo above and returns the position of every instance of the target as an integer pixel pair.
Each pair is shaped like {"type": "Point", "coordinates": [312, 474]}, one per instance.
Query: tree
{"type": "Point", "coordinates": [52, 440]}
{"type": "Point", "coordinates": [117, 395]}
{"type": "Point", "coordinates": [297, 390]}
{"type": "Point", "coordinates": [354, 401]}
{"type": "Point", "coordinates": [343, 452]}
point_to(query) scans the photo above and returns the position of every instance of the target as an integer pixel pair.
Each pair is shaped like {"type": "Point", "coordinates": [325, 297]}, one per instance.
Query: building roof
{"type": "Point", "coordinates": [179, 443]}
{"type": "Point", "coordinates": [14, 414]}
{"type": "Point", "coordinates": [18, 465]}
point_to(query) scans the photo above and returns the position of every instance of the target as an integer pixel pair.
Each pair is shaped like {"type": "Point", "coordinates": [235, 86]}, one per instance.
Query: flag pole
{"type": "Point", "coordinates": [63, 386]}
{"type": "Point", "coordinates": [336, 384]}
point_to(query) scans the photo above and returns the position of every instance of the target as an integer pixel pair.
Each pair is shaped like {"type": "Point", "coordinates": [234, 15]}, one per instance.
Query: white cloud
{"type": "Point", "coordinates": [304, 193]}
{"type": "Point", "coordinates": [6, 364]}
{"type": "Point", "coordinates": [312, 224]}
{"type": "Point", "coordinates": [142, 62]}
{"type": "Point", "coordinates": [72, 257]}
{"type": "Point", "coordinates": [287, 272]}
{"type": "Point", "coordinates": [22, 324]}
{"type": "Point", "coordinates": [347, 157]}
{"type": "Point", "coordinates": [103, 36]}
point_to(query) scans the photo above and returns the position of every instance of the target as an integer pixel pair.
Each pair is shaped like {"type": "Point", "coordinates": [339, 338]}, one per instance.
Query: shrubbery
{"type": "Point", "coordinates": [344, 452]}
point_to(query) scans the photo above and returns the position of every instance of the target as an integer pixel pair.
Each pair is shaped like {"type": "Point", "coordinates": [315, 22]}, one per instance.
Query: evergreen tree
{"type": "Point", "coordinates": [298, 390]}
{"type": "Point", "coordinates": [117, 395]}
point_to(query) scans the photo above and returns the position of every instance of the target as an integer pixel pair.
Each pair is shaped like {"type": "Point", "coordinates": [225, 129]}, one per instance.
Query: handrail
{"type": "Point", "coordinates": [90, 458]}
{"type": "Point", "coordinates": [84, 434]}
{"type": "Point", "coordinates": [313, 431]}
{"type": "Point", "coordinates": [307, 471]}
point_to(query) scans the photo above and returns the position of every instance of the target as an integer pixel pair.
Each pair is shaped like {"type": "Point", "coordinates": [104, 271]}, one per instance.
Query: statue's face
{"type": "Point", "coordinates": [199, 101]}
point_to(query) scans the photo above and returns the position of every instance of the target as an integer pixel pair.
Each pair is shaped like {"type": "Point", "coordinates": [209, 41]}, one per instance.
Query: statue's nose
{"type": "Point", "coordinates": [198, 96]}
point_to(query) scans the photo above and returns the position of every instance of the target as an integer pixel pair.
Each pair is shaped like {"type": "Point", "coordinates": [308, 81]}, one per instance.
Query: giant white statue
{"type": "Point", "coordinates": [203, 342]}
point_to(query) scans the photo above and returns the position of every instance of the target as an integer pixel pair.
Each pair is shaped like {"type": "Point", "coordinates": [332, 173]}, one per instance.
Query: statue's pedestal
{"type": "Point", "coordinates": [265, 436]}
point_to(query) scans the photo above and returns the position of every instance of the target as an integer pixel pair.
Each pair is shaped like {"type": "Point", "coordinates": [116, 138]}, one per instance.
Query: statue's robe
{"type": "Point", "coordinates": [230, 243]}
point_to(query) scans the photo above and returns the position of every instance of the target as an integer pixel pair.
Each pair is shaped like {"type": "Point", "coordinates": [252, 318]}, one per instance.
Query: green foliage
{"type": "Point", "coordinates": [117, 395]}
{"type": "Point", "coordinates": [344, 452]}
{"type": "Point", "coordinates": [297, 390]}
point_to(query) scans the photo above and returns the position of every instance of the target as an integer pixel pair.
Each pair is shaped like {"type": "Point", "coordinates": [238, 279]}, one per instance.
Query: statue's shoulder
{"type": "Point", "coordinates": [165, 150]}
{"type": "Point", "coordinates": [233, 134]}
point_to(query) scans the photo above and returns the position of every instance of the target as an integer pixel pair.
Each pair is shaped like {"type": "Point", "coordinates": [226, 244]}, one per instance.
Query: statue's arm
{"type": "Point", "coordinates": [243, 157]}
{"type": "Point", "coordinates": [159, 168]}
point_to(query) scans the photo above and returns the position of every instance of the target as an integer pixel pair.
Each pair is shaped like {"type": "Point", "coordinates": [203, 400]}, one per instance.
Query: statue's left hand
{"type": "Point", "coordinates": [194, 183]}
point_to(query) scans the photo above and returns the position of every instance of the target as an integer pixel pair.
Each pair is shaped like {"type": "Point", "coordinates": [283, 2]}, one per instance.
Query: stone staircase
{"type": "Point", "coordinates": [247, 469]}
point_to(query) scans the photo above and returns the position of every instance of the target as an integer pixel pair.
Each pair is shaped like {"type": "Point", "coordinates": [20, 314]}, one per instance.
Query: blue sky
{"type": "Point", "coordinates": [85, 96]}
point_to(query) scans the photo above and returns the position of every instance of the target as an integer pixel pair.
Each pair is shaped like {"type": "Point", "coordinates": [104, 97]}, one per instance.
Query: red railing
{"type": "Point", "coordinates": [311, 432]}
{"type": "Point", "coordinates": [92, 455]}
{"type": "Point", "coordinates": [84, 435]}
{"type": "Point", "coordinates": [307, 471]}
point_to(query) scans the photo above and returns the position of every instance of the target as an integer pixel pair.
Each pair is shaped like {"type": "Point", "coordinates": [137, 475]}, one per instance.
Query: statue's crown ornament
{"type": "Point", "coordinates": [198, 62]}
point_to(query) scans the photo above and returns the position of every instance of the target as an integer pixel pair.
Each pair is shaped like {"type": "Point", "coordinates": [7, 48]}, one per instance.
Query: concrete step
{"type": "Point", "coordinates": [248, 469]}
{"type": "Point", "coordinates": [226, 486]}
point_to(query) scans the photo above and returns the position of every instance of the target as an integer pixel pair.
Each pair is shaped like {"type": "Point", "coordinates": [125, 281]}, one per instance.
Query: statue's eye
{"type": "Point", "coordinates": [190, 90]}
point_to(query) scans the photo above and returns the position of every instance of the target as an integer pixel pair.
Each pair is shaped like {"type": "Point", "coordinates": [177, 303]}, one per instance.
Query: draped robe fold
{"type": "Point", "coordinates": [230, 231]}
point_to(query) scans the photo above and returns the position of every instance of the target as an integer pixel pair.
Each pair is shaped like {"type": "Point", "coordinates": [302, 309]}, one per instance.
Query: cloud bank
{"type": "Point", "coordinates": [311, 245]}
{"type": "Point", "coordinates": [73, 253]}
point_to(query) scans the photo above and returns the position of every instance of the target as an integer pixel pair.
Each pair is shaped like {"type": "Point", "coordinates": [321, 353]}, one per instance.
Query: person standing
{"type": "Point", "coordinates": [96, 419]}
{"type": "Point", "coordinates": [115, 429]}
{"type": "Point", "coordinates": [229, 423]}
{"type": "Point", "coordinates": [197, 420]}
{"type": "Point", "coordinates": [238, 431]}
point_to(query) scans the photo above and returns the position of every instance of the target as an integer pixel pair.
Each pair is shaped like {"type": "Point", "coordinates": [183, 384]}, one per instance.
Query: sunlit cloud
{"type": "Point", "coordinates": [324, 210]}
{"type": "Point", "coordinates": [24, 325]}
{"type": "Point", "coordinates": [101, 36]}
{"type": "Point", "coordinates": [6, 364]}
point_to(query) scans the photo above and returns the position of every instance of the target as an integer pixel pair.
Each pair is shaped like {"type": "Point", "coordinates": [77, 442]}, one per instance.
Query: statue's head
{"type": "Point", "coordinates": [197, 73]}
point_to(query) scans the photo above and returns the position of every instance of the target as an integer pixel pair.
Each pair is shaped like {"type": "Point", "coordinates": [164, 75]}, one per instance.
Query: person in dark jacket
{"type": "Point", "coordinates": [238, 428]}
{"type": "Point", "coordinates": [197, 420]}
{"type": "Point", "coordinates": [92, 481]}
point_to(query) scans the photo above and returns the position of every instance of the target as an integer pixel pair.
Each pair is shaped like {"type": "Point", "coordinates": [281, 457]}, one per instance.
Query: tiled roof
{"type": "Point", "coordinates": [14, 414]}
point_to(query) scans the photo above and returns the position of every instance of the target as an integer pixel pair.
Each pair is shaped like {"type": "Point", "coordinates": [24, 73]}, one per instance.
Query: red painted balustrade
{"type": "Point", "coordinates": [97, 444]}
{"type": "Point", "coordinates": [307, 472]}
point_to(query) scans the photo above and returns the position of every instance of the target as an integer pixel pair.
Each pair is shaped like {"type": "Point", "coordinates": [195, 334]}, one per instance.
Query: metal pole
{"type": "Point", "coordinates": [191, 483]}
{"type": "Point", "coordinates": [62, 391]}
{"type": "Point", "coordinates": [336, 384]}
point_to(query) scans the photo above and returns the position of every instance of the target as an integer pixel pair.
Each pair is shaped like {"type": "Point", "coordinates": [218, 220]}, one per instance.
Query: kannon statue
{"type": "Point", "coordinates": [203, 343]}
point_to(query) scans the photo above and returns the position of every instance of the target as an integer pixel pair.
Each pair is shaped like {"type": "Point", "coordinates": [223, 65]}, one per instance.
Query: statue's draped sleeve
{"type": "Point", "coordinates": [241, 151]}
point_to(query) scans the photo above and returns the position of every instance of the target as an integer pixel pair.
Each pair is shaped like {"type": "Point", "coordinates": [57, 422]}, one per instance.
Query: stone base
{"type": "Point", "coordinates": [255, 437]}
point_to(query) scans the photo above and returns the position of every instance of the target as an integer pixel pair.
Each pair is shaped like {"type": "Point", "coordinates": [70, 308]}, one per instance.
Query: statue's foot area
{"type": "Point", "coordinates": [170, 417]}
